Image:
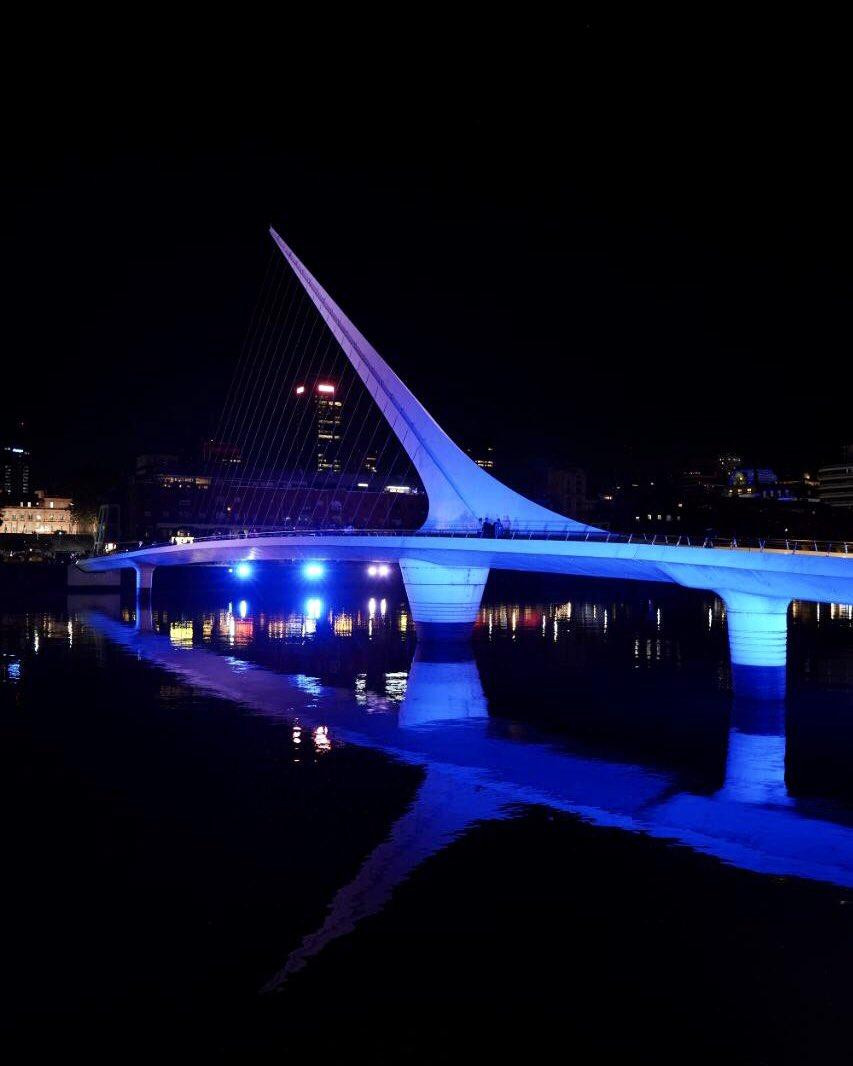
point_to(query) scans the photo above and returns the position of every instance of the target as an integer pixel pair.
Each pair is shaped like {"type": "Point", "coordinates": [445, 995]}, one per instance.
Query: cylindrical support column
{"type": "Point", "coordinates": [758, 642]}
{"type": "Point", "coordinates": [444, 600]}
{"type": "Point", "coordinates": [144, 581]}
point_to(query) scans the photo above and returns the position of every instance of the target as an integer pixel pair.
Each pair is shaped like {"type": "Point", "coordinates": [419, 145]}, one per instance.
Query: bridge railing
{"type": "Point", "coordinates": [783, 544]}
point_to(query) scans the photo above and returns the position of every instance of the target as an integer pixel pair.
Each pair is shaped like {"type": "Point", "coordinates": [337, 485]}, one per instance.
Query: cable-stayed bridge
{"type": "Point", "coordinates": [446, 562]}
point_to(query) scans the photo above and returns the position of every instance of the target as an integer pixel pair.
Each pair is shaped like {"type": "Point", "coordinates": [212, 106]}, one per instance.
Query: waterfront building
{"type": "Point", "coordinates": [166, 498]}
{"type": "Point", "coordinates": [754, 481]}
{"type": "Point", "coordinates": [42, 514]}
{"type": "Point", "coordinates": [836, 481]}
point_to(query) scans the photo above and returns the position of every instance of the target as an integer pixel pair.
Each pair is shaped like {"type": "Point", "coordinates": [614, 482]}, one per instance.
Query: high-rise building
{"type": "Point", "coordinates": [328, 423]}
{"type": "Point", "coordinates": [566, 489]}
{"type": "Point", "coordinates": [15, 465]}
{"type": "Point", "coordinates": [483, 457]}
{"type": "Point", "coordinates": [836, 481]}
{"type": "Point", "coordinates": [221, 453]}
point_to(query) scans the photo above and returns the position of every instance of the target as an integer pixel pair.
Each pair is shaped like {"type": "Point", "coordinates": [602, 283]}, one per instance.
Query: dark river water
{"type": "Point", "coordinates": [260, 820]}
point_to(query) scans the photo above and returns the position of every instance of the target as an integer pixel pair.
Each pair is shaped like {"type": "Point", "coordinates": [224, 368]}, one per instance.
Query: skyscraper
{"type": "Point", "coordinates": [328, 424]}
{"type": "Point", "coordinates": [15, 465]}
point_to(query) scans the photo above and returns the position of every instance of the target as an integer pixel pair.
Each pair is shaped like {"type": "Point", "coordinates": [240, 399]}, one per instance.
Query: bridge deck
{"type": "Point", "coordinates": [769, 569]}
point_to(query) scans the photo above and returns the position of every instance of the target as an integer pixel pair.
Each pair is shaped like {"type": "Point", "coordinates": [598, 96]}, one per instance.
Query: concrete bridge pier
{"type": "Point", "coordinates": [144, 581]}
{"type": "Point", "coordinates": [758, 641]}
{"type": "Point", "coordinates": [444, 600]}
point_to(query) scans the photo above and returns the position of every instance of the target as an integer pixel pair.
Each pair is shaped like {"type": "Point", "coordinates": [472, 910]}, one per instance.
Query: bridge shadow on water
{"type": "Point", "coordinates": [581, 763]}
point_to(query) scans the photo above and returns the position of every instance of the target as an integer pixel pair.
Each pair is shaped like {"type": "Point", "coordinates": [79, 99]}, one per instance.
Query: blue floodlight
{"type": "Point", "coordinates": [314, 607]}
{"type": "Point", "coordinates": [313, 570]}
{"type": "Point", "coordinates": [243, 570]}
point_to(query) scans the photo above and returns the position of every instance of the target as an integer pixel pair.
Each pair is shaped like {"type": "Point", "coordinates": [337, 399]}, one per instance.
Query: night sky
{"type": "Point", "coordinates": [599, 262]}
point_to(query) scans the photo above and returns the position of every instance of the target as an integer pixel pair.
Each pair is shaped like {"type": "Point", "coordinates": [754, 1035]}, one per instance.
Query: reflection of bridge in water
{"type": "Point", "coordinates": [478, 768]}
{"type": "Point", "coordinates": [445, 569]}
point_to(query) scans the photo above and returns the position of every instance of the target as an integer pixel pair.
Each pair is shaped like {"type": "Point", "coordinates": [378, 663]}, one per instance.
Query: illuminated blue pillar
{"type": "Point", "coordinates": [444, 600]}
{"type": "Point", "coordinates": [144, 581]}
{"type": "Point", "coordinates": [758, 642]}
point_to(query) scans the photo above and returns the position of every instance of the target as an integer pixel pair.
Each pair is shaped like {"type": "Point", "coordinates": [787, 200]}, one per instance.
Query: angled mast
{"type": "Point", "coordinates": [459, 492]}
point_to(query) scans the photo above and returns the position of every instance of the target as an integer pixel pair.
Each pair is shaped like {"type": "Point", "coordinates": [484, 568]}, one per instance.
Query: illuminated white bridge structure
{"type": "Point", "coordinates": [446, 563]}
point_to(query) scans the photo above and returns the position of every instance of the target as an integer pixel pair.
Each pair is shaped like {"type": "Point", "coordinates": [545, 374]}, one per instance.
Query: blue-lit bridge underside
{"type": "Point", "coordinates": [445, 574]}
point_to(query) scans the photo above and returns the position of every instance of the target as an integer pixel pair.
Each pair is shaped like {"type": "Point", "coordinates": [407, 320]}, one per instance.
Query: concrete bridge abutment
{"type": "Point", "coordinates": [444, 600]}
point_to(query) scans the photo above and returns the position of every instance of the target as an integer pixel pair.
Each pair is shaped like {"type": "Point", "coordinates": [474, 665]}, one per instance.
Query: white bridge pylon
{"type": "Point", "coordinates": [460, 493]}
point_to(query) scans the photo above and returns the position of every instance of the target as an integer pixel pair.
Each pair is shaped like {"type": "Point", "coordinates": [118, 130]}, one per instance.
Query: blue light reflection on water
{"type": "Point", "coordinates": [480, 762]}
{"type": "Point", "coordinates": [439, 713]}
